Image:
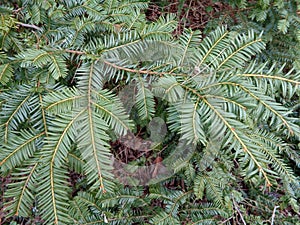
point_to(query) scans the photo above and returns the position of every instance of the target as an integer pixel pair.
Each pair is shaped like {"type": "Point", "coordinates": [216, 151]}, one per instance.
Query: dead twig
{"type": "Point", "coordinates": [29, 26]}
{"type": "Point", "coordinates": [238, 210]}
{"type": "Point", "coordinates": [273, 215]}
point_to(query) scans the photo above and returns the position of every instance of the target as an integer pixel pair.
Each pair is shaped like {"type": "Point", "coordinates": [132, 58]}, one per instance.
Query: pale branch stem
{"type": "Point", "coordinates": [238, 210]}
{"type": "Point", "coordinates": [29, 26]}
{"type": "Point", "coordinates": [75, 52]}
{"type": "Point", "coordinates": [121, 67]}
{"type": "Point", "coordinates": [149, 72]}
{"type": "Point", "coordinates": [270, 77]}
{"type": "Point", "coordinates": [135, 71]}
{"type": "Point", "coordinates": [225, 221]}
{"type": "Point", "coordinates": [273, 215]}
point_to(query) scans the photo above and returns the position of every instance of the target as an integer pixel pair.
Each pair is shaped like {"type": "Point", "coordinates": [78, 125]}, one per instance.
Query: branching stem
{"type": "Point", "coordinates": [238, 211]}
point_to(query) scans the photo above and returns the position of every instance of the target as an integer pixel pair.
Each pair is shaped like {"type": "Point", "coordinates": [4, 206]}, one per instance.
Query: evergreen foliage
{"type": "Point", "coordinates": [278, 20]}
{"type": "Point", "coordinates": [63, 65]}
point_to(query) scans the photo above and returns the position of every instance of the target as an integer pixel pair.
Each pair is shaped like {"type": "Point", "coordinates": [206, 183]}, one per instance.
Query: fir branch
{"type": "Point", "coordinates": [265, 76]}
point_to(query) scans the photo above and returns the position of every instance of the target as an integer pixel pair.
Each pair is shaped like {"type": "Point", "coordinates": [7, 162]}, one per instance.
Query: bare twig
{"type": "Point", "coordinates": [225, 221]}
{"type": "Point", "coordinates": [149, 72]}
{"type": "Point", "coordinates": [238, 210]}
{"type": "Point", "coordinates": [29, 26]}
{"type": "Point", "coordinates": [75, 52]}
{"type": "Point", "coordinates": [133, 70]}
{"type": "Point", "coordinates": [273, 215]}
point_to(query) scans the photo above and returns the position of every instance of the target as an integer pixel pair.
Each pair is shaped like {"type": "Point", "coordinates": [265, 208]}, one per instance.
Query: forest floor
{"type": "Point", "coordinates": [191, 14]}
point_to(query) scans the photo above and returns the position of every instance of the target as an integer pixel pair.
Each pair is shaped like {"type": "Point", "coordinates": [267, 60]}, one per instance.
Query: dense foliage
{"type": "Point", "coordinates": [77, 78]}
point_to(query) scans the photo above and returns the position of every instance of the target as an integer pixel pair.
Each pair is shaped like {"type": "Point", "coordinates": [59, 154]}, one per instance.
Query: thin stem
{"type": "Point", "coordinates": [273, 215]}
{"type": "Point", "coordinates": [75, 52]}
{"type": "Point", "coordinates": [238, 210]}
{"type": "Point", "coordinates": [29, 26]}
{"type": "Point", "coordinates": [138, 71]}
